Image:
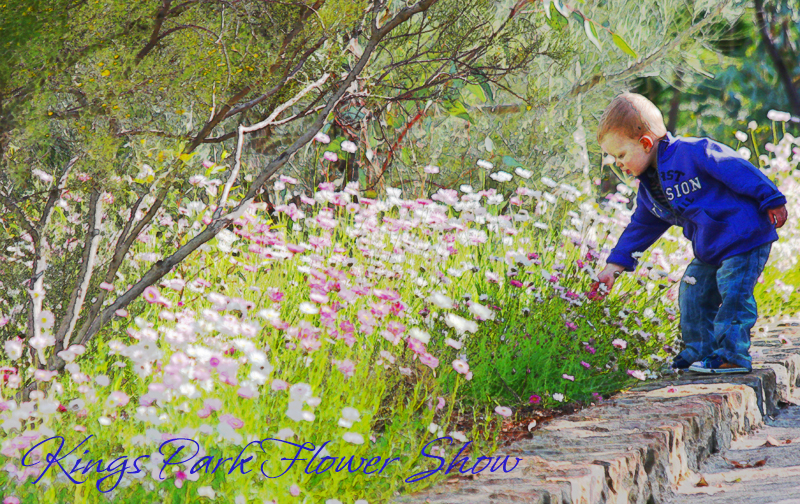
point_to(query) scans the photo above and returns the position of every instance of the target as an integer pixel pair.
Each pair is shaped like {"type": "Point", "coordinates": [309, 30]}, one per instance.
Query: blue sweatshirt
{"type": "Point", "coordinates": [720, 200]}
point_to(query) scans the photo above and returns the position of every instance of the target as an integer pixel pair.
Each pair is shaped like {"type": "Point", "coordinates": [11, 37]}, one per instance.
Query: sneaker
{"type": "Point", "coordinates": [680, 363]}
{"type": "Point", "coordinates": [717, 365]}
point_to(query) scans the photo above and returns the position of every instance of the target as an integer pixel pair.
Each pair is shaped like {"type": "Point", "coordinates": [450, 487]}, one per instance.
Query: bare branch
{"type": "Point", "coordinates": [255, 127]}
{"type": "Point", "coordinates": [120, 251]}
{"type": "Point", "coordinates": [78, 295]}
{"type": "Point", "coordinates": [161, 16]}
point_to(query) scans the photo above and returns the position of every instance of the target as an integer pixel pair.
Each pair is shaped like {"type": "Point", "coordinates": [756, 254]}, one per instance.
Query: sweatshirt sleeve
{"type": "Point", "coordinates": [739, 175]}
{"type": "Point", "coordinates": [643, 231]}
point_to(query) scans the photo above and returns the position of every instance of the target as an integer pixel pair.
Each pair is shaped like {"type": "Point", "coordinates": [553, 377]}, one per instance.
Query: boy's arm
{"type": "Point", "coordinates": [738, 174]}
{"type": "Point", "coordinates": [643, 231]}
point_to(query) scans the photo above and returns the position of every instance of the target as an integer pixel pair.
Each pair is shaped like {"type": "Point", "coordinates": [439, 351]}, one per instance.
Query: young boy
{"type": "Point", "coordinates": [727, 208]}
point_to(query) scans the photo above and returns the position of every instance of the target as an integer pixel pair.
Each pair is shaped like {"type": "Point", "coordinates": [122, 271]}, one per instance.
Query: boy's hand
{"type": "Point", "coordinates": [607, 277]}
{"type": "Point", "coordinates": [777, 216]}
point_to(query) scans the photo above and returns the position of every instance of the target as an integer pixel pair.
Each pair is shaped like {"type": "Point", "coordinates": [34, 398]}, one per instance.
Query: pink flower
{"type": "Point", "coordinates": [231, 420]}
{"type": "Point", "coordinates": [278, 384]}
{"type": "Point", "coordinates": [639, 375]}
{"type": "Point", "coordinates": [534, 399]}
{"type": "Point", "coordinates": [568, 377]}
{"type": "Point", "coordinates": [330, 156]}
{"type": "Point", "coordinates": [503, 411]}
{"type": "Point", "coordinates": [106, 286]}
{"type": "Point", "coordinates": [118, 399]}
{"type": "Point", "coordinates": [151, 294]}
{"type": "Point", "coordinates": [620, 343]}
{"type": "Point", "coordinates": [180, 476]}
{"type": "Point", "coordinates": [346, 367]}
{"type": "Point", "coordinates": [121, 313]}
{"type": "Point", "coordinates": [294, 489]}
{"type": "Point", "coordinates": [10, 500]}
{"type": "Point", "coordinates": [585, 364]}
{"type": "Point", "coordinates": [460, 366]}
{"type": "Point", "coordinates": [429, 360]}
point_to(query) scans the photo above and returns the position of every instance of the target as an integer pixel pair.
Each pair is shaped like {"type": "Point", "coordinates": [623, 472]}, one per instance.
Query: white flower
{"type": "Point", "coordinates": [45, 319]}
{"type": "Point", "coordinates": [689, 280]}
{"type": "Point", "coordinates": [744, 152]}
{"type": "Point", "coordinates": [461, 325]}
{"type": "Point", "coordinates": [432, 428]}
{"type": "Point", "coordinates": [501, 176]}
{"type": "Point", "coordinates": [741, 136]}
{"type": "Point", "coordinates": [453, 343]}
{"type": "Point", "coordinates": [300, 391]}
{"type": "Point", "coordinates": [322, 137]}
{"type": "Point", "coordinates": [351, 414]}
{"type": "Point", "coordinates": [431, 169]}
{"type": "Point", "coordinates": [44, 177]}
{"type": "Point", "coordinates": [465, 188]}
{"type": "Point", "coordinates": [485, 164]}
{"type": "Point", "coordinates": [442, 301]}
{"type": "Point", "coordinates": [558, 397]}
{"type": "Point", "coordinates": [349, 146]}
{"type": "Point", "coordinates": [549, 182]}
{"type": "Point", "coordinates": [13, 348]}
{"type": "Point", "coordinates": [776, 115]}
{"type": "Point", "coordinates": [419, 334]}
{"type": "Point", "coordinates": [42, 341]}
{"type": "Point", "coordinates": [522, 172]}
{"type": "Point", "coordinates": [458, 436]}
{"type": "Point", "coordinates": [752, 125]}
{"type": "Point", "coordinates": [308, 308]}
{"type": "Point", "coordinates": [353, 437]}
{"type": "Point", "coordinates": [206, 491]}
{"type": "Point", "coordinates": [481, 312]}
{"type": "Point", "coordinates": [330, 156]}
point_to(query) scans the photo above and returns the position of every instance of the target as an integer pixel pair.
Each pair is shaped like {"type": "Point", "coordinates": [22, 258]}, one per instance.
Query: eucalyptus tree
{"type": "Point", "coordinates": [114, 115]}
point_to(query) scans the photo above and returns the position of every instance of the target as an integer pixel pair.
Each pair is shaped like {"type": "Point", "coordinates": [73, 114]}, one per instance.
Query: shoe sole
{"type": "Point", "coordinates": [719, 371]}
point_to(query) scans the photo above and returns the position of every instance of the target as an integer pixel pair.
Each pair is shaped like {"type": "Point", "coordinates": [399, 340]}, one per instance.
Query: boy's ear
{"type": "Point", "coordinates": [647, 142]}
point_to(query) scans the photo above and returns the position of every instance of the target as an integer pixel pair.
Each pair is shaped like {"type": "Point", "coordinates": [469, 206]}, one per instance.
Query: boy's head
{"type": "Point", "coordinates": [630, 128]}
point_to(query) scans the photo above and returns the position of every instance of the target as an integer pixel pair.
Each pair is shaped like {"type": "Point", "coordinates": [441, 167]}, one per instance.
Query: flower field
{"type": "Point", "coordinates": [349, 328]}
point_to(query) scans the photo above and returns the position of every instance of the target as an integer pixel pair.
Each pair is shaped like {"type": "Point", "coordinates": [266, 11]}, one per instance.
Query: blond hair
{"type": "Point", "coordinates": [632, 115]}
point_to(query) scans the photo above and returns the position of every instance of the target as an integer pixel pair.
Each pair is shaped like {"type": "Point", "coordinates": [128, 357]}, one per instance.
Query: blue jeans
{"type": "Point", "coordinates": [718, 311]}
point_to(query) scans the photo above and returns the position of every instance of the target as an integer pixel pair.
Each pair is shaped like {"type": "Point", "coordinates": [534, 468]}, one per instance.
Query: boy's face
{"type": "Point", "coordinates": [631, 156]}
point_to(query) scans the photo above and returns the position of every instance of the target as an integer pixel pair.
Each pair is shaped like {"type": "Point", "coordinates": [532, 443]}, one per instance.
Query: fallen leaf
{"type": "Point", "coordinates": [737, 465]}
{"type": "Point", "coordinates": [702, 482]}
{"type": "Point", "coordinates": [740, 465]}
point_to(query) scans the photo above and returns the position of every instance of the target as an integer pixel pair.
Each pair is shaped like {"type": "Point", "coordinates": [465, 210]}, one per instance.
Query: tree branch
{"type": "Point", "coordinates": [161, 16]}
{"type": "Point", "coordinates": [89, 259]}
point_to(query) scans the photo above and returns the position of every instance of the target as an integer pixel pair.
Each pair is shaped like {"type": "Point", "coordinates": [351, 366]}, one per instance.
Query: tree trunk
{"type": "Point", "coordinates": [777, 61]}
